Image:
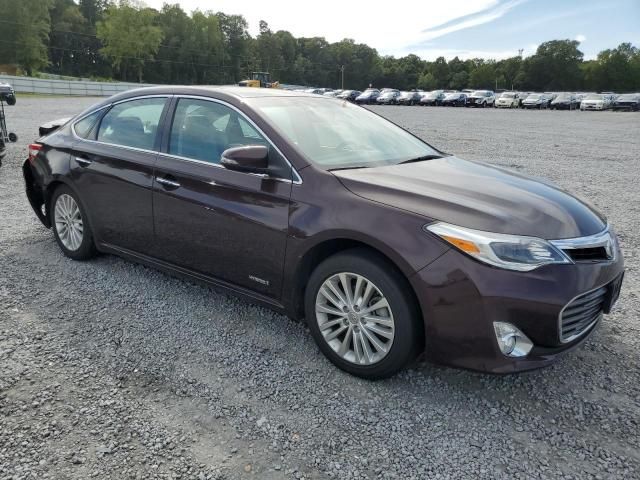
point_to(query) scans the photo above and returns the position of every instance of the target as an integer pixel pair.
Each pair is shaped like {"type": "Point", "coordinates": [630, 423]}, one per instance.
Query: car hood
{"type": "Point", "coordinates": [476, 195]}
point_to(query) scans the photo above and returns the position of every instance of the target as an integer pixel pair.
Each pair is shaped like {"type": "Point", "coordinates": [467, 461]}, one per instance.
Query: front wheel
{"type": "Point", "coordinates": [361, 315]}
{"type": "Point", "coordinates": [70, 227]}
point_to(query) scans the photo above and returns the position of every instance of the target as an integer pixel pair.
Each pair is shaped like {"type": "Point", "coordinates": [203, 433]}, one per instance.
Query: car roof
{"type": "Point", "coordinates": [232, 94]}
{"type": "Point", "coordinates": [205, 90]}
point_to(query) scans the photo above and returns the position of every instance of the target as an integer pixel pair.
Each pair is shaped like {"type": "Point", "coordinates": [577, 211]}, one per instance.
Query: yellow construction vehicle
{"type": "Point", "coordinates": [260, 80]}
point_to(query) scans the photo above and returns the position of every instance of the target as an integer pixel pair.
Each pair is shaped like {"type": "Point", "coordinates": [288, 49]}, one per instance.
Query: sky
{"type": "Point", "coordinates": [432, 28]}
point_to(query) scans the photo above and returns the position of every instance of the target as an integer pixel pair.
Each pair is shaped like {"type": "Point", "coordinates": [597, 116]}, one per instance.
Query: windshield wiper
{"type": "Point", "coordinates": [420, 159]}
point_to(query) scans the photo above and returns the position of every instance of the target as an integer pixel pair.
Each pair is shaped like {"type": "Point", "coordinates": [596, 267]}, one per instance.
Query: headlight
{"type": "Point", "coordinates": [511, 252]}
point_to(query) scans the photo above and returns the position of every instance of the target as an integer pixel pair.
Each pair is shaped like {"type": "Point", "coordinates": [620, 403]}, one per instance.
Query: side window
{"type": "Point", "coordinates": [84, 128]}
{"type": "Point", "coordinates": [202, 130]}
{"type": "Point", "coordinates": [133, 123]}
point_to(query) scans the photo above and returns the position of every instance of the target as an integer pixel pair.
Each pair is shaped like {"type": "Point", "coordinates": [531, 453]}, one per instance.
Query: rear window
{"type": "Point", "coordinates": [84, 128]}
{"type": "Point", "coordinates": [133, 123]}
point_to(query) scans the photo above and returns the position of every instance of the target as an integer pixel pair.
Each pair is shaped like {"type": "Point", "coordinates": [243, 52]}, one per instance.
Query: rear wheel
{"type": "Point", "coordinates": [70, 228]}
{"type": "Point", "coordinates": [361, 316]}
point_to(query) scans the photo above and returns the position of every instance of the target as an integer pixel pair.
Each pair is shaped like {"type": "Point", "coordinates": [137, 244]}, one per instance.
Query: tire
{"type": "Point", "coordinates": [70, 246]}
{"type": "Point", "coordinates": [387, 284]}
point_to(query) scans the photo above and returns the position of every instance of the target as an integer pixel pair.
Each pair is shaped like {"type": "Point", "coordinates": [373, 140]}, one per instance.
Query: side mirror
{"type": "Point", "coordinates": [249, 158]}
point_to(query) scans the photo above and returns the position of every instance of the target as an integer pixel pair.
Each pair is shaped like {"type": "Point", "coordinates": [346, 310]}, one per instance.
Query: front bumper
{"type": "Point", "coordinates": [592, 107]}
{"type": "Point", "coordinates": [461, 298]}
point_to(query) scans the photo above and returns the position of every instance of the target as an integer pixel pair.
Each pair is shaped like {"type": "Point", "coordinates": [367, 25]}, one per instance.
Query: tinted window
{"type": "Point", "coordinates": [133, 123]}
{"type": "Point", "coordinates": [202, 130]}
{"type": "Point", "coordinates": [84, 127]}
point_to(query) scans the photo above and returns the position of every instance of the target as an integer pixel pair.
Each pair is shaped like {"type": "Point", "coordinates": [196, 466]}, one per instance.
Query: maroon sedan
{"type": "Point", "coordinates": [323, 210]}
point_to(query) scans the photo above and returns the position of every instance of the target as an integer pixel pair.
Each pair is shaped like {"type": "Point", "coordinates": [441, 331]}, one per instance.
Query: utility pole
{"type": "Point", "coordinates": [342, 72]}
{"type": "Point", "coordinates": [520, 50]}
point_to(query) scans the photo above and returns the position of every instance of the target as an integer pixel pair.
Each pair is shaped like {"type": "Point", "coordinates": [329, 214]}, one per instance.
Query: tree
{"type": "Point", "coordinates": [440, 71]}
{"type": "Point", "coordinates": [236, 43]}
{"type": "Point", "coordinates": [92, 10]}
{"type": "Point", "coordinates": [25, 37]}
{"type": "Point", "coordinates": [130, 37]}
{"type": "Point", "coordinates": [555, 66]}
{"type": "Point", "coordinates": [427, 82]}
{"type": "Point", "coordinates": [483, 76]}
{"type": "Point", "coordinates": [509, 70]}
{"type": "Point", "coordinates": [459, 80]}
{"type": "Point", "coordinates": [615, 69]}
{"type": "Point", "coordinates": [70, 37]}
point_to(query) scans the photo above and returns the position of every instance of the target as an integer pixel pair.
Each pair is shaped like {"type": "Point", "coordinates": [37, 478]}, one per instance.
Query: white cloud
{"type": "Point", "coordinates": [581, 38]}
{"type": "Point", "coordinates": [465, 54]}
{"type": "Point", "coordinates": [474, 21]}
{"type": "Point", "coordinates": [388, 28]}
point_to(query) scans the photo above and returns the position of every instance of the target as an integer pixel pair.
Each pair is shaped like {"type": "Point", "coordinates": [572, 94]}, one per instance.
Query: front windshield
{"type": "Point", "coordinates": [335, 135]}
{"type": "Point", "coordinates": [533, 97]}
{"type": "Point", "coordinates": [508, 95]}
{"type": "Point", "coordinates": [563, 96]}
{"type": "Point", "coordinates": [593, 96]}
{"type": "Point", "coordinates": [478, 93]}
{"type": "Point", "coordinates": [628, 96]}
{"type": "Point", "coordinates": [452, 95]}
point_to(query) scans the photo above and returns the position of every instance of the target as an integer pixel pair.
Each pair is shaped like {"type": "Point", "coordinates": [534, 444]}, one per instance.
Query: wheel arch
{"type": "Point", "coordinates": [326, 248]}
{"type": "Point", "coordinates": [50, 189]}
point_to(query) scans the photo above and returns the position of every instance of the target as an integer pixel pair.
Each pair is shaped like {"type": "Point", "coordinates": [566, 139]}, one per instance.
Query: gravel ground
{"type": "Point", "coordinates": [112, 370]}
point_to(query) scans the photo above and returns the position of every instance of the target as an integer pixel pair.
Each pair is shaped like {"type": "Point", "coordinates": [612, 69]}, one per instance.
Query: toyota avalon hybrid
{"type": "Point", "coordinates": [386, 246]}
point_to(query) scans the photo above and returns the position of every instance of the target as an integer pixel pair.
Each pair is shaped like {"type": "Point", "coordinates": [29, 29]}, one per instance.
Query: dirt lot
{"type": "Point", "coordinates": [112, 370]}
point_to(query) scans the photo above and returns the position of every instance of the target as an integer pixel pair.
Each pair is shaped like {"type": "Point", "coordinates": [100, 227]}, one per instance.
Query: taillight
{"type": "Point", "coordinates": [34, 148]}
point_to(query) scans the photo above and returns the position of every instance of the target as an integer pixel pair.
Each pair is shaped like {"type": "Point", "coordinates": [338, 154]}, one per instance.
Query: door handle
{"type": "Point", "coordinates": [83, 162]}
{"type": "Point", "coordinates": [168, 184]}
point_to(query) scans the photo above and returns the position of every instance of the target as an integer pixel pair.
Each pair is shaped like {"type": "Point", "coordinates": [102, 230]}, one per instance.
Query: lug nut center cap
{"type": "Point", "coordinates": [353, 318]}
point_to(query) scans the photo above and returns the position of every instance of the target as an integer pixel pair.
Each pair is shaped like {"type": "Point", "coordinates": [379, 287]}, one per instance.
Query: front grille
{"type": "Point", "coordinates": [590, 254]}
{"type": "Point", "coordinates": [581, 313]}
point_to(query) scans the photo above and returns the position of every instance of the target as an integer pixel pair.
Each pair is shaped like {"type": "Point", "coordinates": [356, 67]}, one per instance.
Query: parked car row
{"type": "Point", "coordinates": [487, 98]}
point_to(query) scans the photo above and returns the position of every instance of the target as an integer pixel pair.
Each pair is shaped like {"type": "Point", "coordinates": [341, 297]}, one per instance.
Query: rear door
{"type": "Point", "coordinates": [226, 224]}
{"type": "Point", "coordinates": [112, 169]}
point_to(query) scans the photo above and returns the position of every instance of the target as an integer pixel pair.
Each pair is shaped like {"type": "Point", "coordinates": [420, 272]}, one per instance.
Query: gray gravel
{"type": "Point", "coordinates": [112, 370]}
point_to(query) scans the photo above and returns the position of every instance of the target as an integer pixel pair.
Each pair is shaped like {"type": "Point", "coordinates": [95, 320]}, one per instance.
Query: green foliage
{"type": "Point", "coordinates": [125, 40]}
{"type": "Point", "coordinates": [555, 66]}
{"type": "Point", "coordinates": [483, 76]}
{"type": "Point", "coordinates": [130, 37]}
{"type": "Point", "coordinates": [24, 39]}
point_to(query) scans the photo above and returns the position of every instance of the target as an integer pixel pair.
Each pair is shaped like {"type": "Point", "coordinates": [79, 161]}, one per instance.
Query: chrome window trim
{"type": "Point", "coordinates": [297, 179]}
{"type": "Point", "coordinates": [602, 239]}
{"type": "Point", "coordinates": [109, 105]}
{"type": "Point", "coordinates": [217, 165]}
{"type": "Point", "coordinates": [73, 124]}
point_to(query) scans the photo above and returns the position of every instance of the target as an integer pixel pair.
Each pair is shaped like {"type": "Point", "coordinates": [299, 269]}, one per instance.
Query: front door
{"type": "Point", "coordinates": [226, 224]}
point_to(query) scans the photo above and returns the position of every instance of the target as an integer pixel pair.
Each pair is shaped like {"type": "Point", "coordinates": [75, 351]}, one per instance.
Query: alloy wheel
{"type": "Point", "coordinates": [68, 222]}
{"type": "Point", "coordinates": [355, 318]}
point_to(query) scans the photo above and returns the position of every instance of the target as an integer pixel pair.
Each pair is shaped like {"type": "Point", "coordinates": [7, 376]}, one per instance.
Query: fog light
{"type": "Point", "coordinates": [512, 342]}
